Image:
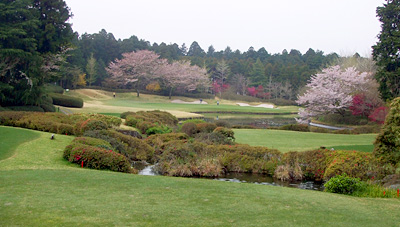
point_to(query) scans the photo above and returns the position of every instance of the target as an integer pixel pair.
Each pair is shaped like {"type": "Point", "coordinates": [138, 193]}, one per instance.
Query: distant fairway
{"type": "Point", "coordinates": [301, 141]}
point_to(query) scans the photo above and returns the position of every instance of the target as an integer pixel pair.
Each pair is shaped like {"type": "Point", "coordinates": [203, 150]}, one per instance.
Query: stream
{"type": "Point", "coordinates": [247, 178]}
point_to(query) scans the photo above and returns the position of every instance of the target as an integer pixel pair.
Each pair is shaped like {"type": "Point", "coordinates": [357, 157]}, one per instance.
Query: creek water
{"type": "Point", "coordinates": [246, 178]}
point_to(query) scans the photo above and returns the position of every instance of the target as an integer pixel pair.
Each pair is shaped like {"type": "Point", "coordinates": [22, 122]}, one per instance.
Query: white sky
{"type": "Point", "coordinates": [341, 26]}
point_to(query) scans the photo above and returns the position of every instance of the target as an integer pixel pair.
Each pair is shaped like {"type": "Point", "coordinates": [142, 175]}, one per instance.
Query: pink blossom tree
{"type": "Point", "coordinates": [136, 67]}
{"type": "Point", "coordinates": [331, 92]}
{"type": "Point", "coordinates": [182, 75]}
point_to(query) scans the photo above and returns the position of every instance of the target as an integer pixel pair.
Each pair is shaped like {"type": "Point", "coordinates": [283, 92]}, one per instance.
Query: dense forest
{"type": "Point", "coordinates": [278, 75]}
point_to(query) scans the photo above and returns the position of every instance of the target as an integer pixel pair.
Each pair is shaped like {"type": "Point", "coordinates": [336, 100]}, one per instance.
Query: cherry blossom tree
{"type": "Point", "coordinates": [136, 67]}
{"type": "Point", "coordinates": [182, 75]}
{"type": "Point", "coordinates": [331, 92]}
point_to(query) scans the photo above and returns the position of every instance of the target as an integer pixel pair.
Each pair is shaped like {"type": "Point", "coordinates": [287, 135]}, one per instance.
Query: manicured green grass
{"type": "Point", "coordinates": [10, 138]}
{"type": "Point", "coordinates": [194, 107]}
{"type": "Point", "coordinates": [364, 148]}
{"type": "Point", "coordinates": [300, 141]}
{"type": "Point", "coordinates": [39, 188]}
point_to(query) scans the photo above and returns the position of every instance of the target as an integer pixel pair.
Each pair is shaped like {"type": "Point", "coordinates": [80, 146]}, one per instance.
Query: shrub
{"type": "Point", "coordinates": [67, 101]}
{"type": "Point", "coordinates": [26, 108]}
{"type": "Point", "coordinates": [119, 146]}
{"type": "Point", "coordinates": [214, 138]}
{"type": "Point", "coordinates": [144, 125]}
{"type": "Point", "coordinates": [89, 125]}
{"type": "Point", "coordinates": [245, 158]}
{"type": "Point", "coordinates": [130, 133]}
{"type": "Point", "coordinates": [343, 184]}
{"type": "Point", "coordinates": [314, 163]}
{"type": "Point", "coordinates": [222, 123]}
{"type": "Point", "coordinates": [92, 142]}
{"type": "Point", "coordinates": [158, 130]}
{"type": "Point", "coordinates": [156, 116]}
{"type": "Point", "coordinates": [291, 170]}
{"type": "Point", "coordinates": [189, 128]}
{"type": "Point", "coordinates": [48, 107]}
{"type": "Point", "coordinates": [110, 121]}
{"type": "Point", "coordinates": [387, 143]}
{"type": "Point", "coordinates": [158, 140]}
{"type": "Point", "coordinates": [228, 133]}
{"type": "Point", "coordinates": [97, 158]}
{"type": "Point", "coordinates": [296, 127]}
{"type": "Point", "coordinates": [65, 129]}
{"type": "Point", "coordinates": [135, 149]}
{"type": "Point", "coordinates": [206, 127]}
{"type": "Point", "coordinates": [125, 114]}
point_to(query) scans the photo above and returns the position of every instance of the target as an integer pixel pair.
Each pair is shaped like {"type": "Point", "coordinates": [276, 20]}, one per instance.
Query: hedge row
{"type": "Point", "coordinates": [97, 158]}
{"type": "Point", "coordinates": [75, 124]}
{"type": "Point", "coordinates": [67, 101]}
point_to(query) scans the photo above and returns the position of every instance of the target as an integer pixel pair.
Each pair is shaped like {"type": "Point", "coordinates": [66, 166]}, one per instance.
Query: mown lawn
{"type": "Point", "coordinates": [39, 188]}
{"type": "Point", "coordinates": [286, 141]}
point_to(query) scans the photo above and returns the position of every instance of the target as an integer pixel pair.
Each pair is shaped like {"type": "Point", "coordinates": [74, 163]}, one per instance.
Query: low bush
{"type": "Point", "coordinates": [26, 108]}
{"type": "Point", "coordinates": [205, 127]}
{"type": "Point", "coordinates": [67, 101]}
{"type": "Point", "coordinates": [158, 129]}
{"type": "Point", "coordinates": [97, 158]}
{"type": "Point", "coordinates": [343, 184]}
{"type": "Point", "coordinates": [290, 170]}
{"type": "Point", "coordinates": [130, 133]}
{"type": "Point", "coordinates": [222, 123]}
{"type": "Point", "coordinates": [189, 128]}
{"type": "Point", "coordinates": [48, 107]}
{"type": "Point", "coordinates": [214, 138]}
{"type": "Point", "coordinates": [156, 116]}
{"type": "Point", "coordinates": [110, 121]}
{"type": "Point", "coordinates": [135, 149]}
{"type": "Point", "coordinates": [144, 125]}
{"type": "Point", "coordinates": [295, 127]}
{"type": "Point", "coordinates": [92, 142]}
{"type": "Point", "coordinates": [158, 140]}
{"type": "Point", "coordinates": [89, 125]}
{"type": "Point", "coordinates": [228, 133]}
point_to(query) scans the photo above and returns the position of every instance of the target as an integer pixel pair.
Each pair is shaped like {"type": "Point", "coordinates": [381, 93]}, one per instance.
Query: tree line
{"type": "Point", "coordinates": [38, 46]}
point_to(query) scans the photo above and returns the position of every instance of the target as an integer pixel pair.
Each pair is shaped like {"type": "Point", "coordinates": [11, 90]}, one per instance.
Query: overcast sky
{"type": "Point", "coordinates": [341, 26]}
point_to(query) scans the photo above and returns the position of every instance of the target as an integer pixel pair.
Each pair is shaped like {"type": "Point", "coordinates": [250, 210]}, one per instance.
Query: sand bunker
{"type": "Point", "coordinates": [194, 102]}
{"type": "Point", "coordinates": [269, 106]}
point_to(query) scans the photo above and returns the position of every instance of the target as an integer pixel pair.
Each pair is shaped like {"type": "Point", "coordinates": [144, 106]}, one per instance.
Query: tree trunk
{"type": "Point", "coordinates": [137, 91]}
{"type": "Point", "coordinates": [170, 93]}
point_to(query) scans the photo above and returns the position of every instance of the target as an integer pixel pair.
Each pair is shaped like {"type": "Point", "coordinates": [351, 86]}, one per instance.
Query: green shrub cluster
{"type": "Point", "coordinates": [296, 127]}
{"type": "Point", "coordinates": [50, 88]}
{"type": "Point", "coordinates": [133, 148]}
{"type": "Point", "coordinates": [151, 122]}
{"type": "Point", "coordinates": [343, 184]}
{"type": "Point", "coordinates": [67, 101]}
{"type": "Point", "coordinates": [156, 116]}
{"type": "Point", "coordinates": [97, 158]}
{"type": "Point", "coordinates": [193, 158]}
{"type": "Point", "coordinates": [110, 121]}
{"type": "Point", "coordinates": [47, 122]}
{"type": "Point", "coordinates": [324, 164]}
{"type": "Point", "coordinates": [59, 123]}
{"type": "Point", "coordinates": [26, 108]}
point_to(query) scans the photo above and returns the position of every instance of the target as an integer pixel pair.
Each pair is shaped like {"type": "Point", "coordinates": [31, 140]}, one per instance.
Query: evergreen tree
{"type": "Point", "coordinates": [386, 51]}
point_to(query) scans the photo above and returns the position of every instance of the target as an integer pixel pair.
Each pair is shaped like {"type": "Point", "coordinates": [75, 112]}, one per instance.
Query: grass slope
{"type": "Point", "coordinates": [47, 191]}
{"type": "Point", "coordinates": [301, 141]}
{"type": "Point", "coordinates": [10, 138]}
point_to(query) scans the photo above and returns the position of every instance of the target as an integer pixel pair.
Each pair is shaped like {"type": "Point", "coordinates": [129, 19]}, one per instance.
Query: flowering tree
{"type": "Point", "coordinates": [136, 67]}
{"type": "Point", "coordinates": [331, 91]}
{"type": "Point", "coordinates": [181, 74]}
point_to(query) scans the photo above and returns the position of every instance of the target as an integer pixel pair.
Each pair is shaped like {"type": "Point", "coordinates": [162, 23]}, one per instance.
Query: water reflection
{"type": "Point", "coordinates": [246, 178]}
